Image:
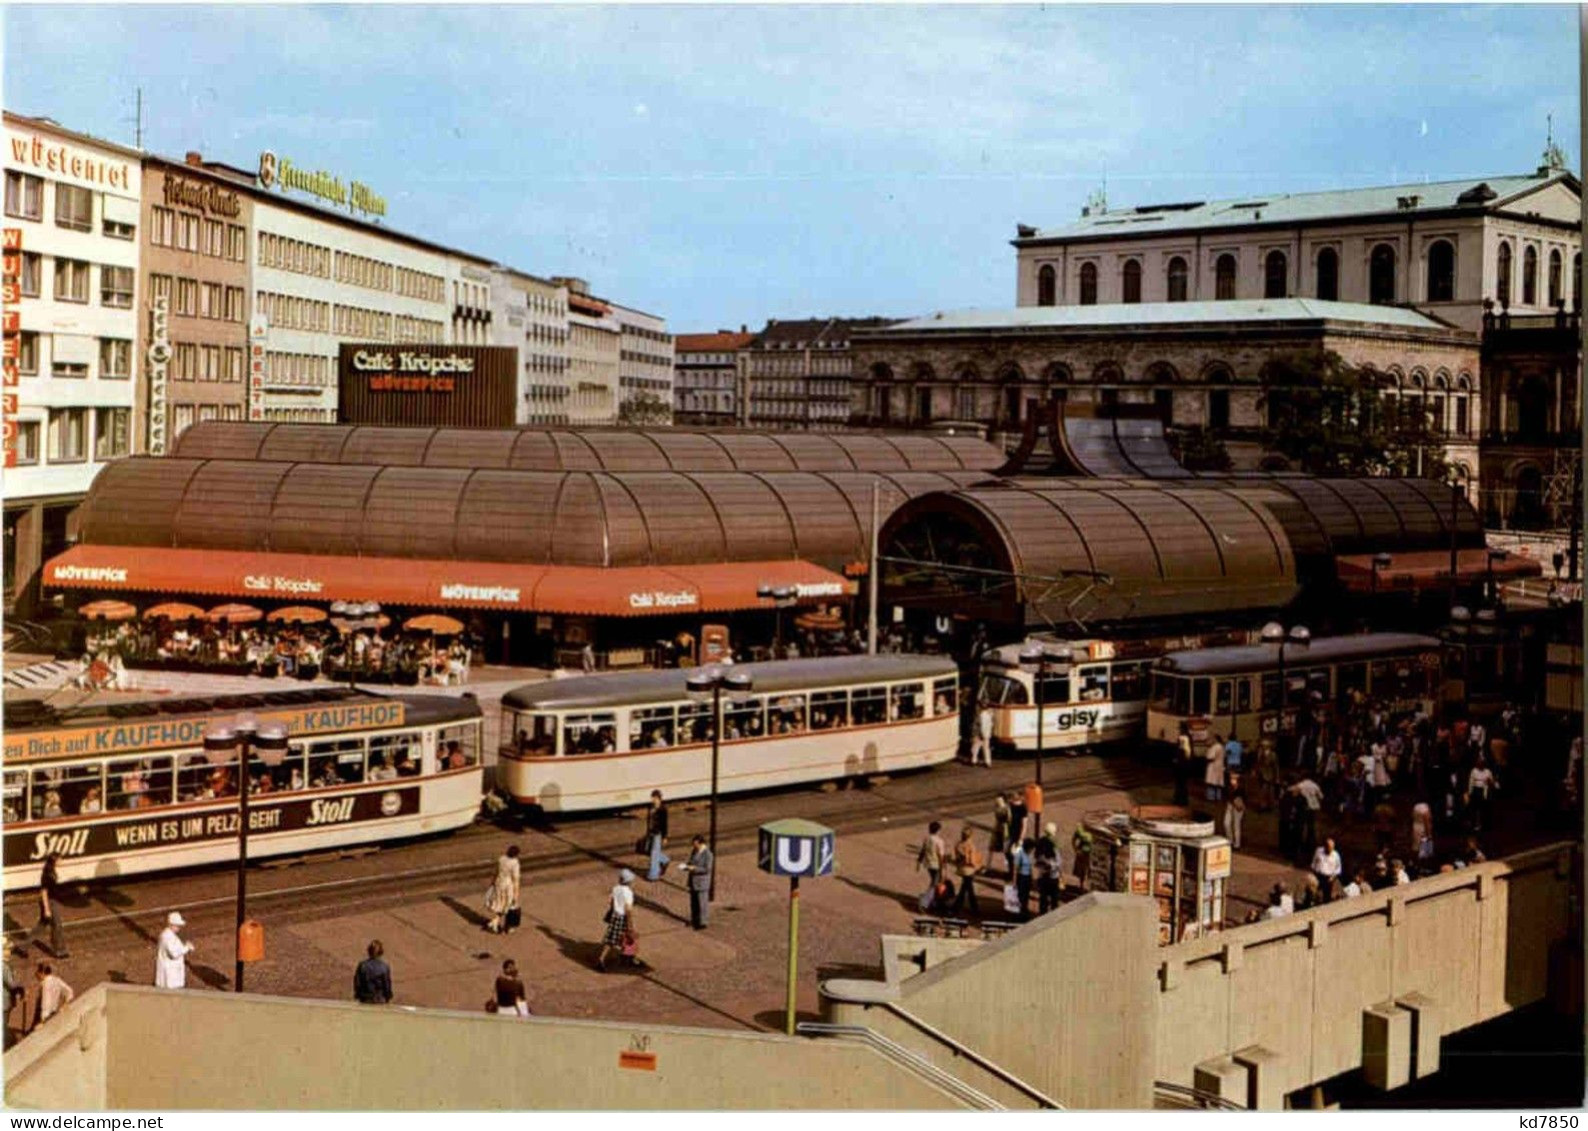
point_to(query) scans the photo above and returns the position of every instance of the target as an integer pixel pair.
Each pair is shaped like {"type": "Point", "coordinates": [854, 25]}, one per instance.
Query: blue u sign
{"type": "Point", "coordinates": [796, 848]}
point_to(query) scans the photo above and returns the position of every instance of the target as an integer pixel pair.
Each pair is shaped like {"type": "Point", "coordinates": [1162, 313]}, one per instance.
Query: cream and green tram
{"type": "Point", "coordinates": [1094, 699]}
{"type": "Point", "coordinates": [606, 741]}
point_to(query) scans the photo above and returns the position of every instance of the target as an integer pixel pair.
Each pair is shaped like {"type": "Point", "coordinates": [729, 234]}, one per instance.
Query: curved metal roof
{"type": "Point", "coordinates": [567, 449]}
{"type": "Point", "coordinates": [490, 515]}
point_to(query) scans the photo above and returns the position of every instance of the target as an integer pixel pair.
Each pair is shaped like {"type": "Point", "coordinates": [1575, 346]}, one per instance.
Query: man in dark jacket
{"type": "Point", "coordinates": [700, 865]}
{"type": "Point", "coordinates": [372, 979]}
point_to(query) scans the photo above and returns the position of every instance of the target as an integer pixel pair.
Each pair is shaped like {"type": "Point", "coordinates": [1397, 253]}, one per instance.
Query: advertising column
{"type": "Point", "coordinates": [258, 339]}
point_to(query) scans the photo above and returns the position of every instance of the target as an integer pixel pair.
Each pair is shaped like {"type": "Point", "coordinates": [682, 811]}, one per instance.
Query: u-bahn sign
{"type": "Point", "coordinates": [796, 847]}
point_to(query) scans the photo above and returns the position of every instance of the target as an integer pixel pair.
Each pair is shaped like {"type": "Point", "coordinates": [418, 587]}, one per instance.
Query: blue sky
{"type": "Point", "coordinates": [722, 165]}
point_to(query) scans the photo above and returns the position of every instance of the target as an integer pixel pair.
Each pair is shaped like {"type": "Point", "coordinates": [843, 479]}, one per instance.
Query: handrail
{"type": "Point", "coordinates": [905, 1058]}
{"type": "Point", "coordinates": [971, 1055]}
{"type": "Point", "coordinates": [1203, 1099]}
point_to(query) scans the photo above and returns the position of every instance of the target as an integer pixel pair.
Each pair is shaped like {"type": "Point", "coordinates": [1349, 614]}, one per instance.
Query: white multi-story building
{"type": "Point", "coordinates": [71, 218]}
{"type": "Point", "coordinates": [645, 367]}
{"type": "Point", "coordinates": [707, 371]}
{"type": "Point", "coordinates": [531, 315]}
{"type": "Point", "coordinates": [594, 345]}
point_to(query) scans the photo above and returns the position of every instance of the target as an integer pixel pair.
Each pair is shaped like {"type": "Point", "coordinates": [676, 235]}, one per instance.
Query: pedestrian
{"type": "Point", "coordinates": [1017, 824]}
{"type": "Point", "coordinates": [1235, 811]}
{"type": "Point", "coordinates": [981, 739]}
{"type": "Point", "coordinates": [656, 837]}
{"type": "Point", "coordinates": [967, 862]}
{"type": "Point", "coordinates": [618, 918]}
{"type": "Point", "coordinates": [16, 993]}
{"type": "Point", "coordinates": [1213, 774]}
{"type": "Point", "coordinates": [700, 866]}
{"type": "Point", "coordinates": [372, 979]}
{"type": "Point", "coordinates": [1480, 783]}
{"type": "Point", "coordinates": [1311, 893]}
{"type": "Point", "coordinates": [49, 907]}
{"type": "Point", "coordinates": [1311, 795]}
{"type": "Point", "coordinates": [931, 856]}
{"type": "Point", "coordinates": [1234, 755]}
{"type": "Point", "coordinates": [1033, 807]}
{"type": "Point", "coordinates": [1047, 864]}
{"type": "Point", "coordinates": [999, 843]}
{"type": "Point", "coordinates": [170, 956]}
{"type": "Point", "coordinates": [587, 658]}
{"type": "Point", "coordinates": [511, 997]}
{"type": "Point", "coordinates": [1326, 862]}
{"type": "Point", "coordinates": [1025, 863]}
{"type": "Point", "coordinates": [501, 898]}
{"type": "Point", "coordinates": [53, 993]}
{"type": "Point", "coordinates": [1276, 904]}
{"type": "Point", "coordinates": [1182, 765]}
{"type": "Point", "coordinates": [1081, 845]}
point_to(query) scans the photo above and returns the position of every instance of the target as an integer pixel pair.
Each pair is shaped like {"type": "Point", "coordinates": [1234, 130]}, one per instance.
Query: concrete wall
{"type": "Point", "coordinates": [61, 1066]}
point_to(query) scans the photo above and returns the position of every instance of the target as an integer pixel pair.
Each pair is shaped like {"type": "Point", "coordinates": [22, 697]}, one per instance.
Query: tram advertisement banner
{"type": "Point", "coordinates": [157, 830]}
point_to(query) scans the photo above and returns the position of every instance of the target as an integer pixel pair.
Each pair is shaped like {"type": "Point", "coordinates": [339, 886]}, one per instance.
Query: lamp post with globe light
{"type": "Point", "coordinates": [1299, 636]}
{"type": "Point", "coordinates": [706, 685]}
{"type": "Point", "coordinates": [1041, 659]}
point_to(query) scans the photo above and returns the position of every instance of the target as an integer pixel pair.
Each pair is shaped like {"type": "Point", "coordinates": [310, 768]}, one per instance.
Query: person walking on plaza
{"type": "Point", "coordinates": [1017, 824]}
{"type": "Point", "coordinates": [1326, 862]}
{"type": "Point", "coordinates": [931, 856]}
{"type": "Point", "coordinates": [49, 907]}
{"type": "Point", "coordinates": [501, 898]}
{"type": "Point", "coordinates": [1034, 807]}
{"type": "Point", "coordinates": [981, 738]}
{"type": "Point", "coordinates": [170, 955]}
{"type": "Point", "coordinates": [1235, 811]}
{"type": "Point", "coordinates": [1047, 864]}
{"type": "Point", "coordinates": [1480, 783]}
{"type": "Point", "coordinates": [699, 867]}
{"type": "Point", "coordinates": [656, 837]}
{"type": "Point", "coordinates": [999, 843]}
{"type": "Point", "coordinates": [1213, 774]}
{"type": "Point", "coordinates": [54, 994]}
{"type": "Point", "coordinates": [1081, 845]}
{"type": "Point", "coordinates": [1024, 864]}
{"type": "Point", "coordinates": [372, 979]}
{"type": "Point", "coordinates": [1311, 797]}
{"type": "Point", "coordinates": [511, 997]}
{"type": "Point", "coordinates": [619, 919]}
{"type": "Point", "coordinates": [16, 994]}
{"type": "Point", "coordinates": [967, 862]}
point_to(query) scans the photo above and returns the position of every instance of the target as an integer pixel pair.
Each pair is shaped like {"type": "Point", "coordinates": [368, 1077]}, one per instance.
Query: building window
{"type": "Point", "coordinates": [1441, 271]}
{"type": "Point", "coordinates": [181, 419]}
{"type": "Point", "coordinates": [27, 352]}
{"type": "Point", "coordinates": [234, 304]}
{"type": "Point", "coordinates": [115, 287]}
{"type": "Point", "coordinates": [187, 292]}
{"type": "Point", "coordinates": [74, 208]}
{"type": "Point", "coordinates": [1177, 279]}
{"type": "Point", "coordinates": [1554, 278]}
{"type": "Point", "coordinates": [1463, 423]}
{"type": "Point", "coordinates": [1047, 285]}
{"type": "Point", "coordinates": [967, 404]}
{"type": "Point", "coordinates": [236, 243]}
{"type": "Point", "coordinates": [1328, 272]}
{"type": "Point", "coordinates": [1530, 277]}
{"type": "Point", "coordinates": [1088, 286]}
{"type": "Point", "coordinates": [1276, 275]}
{"type": "Point", "coordinates": [160, 287]}
{"type": "Point", "coordinates": [110, 432]}
{"type": "Point", "coordinates": [24, 195]}
{"type": "Point", "coordinates": [162, 226]}
{"type": "Point", "coordinates": [1130, 282]}
{"type": "Point", "coordinates": [1503, 275]}
{"type": "Point", "coordinates": [1219, 409]}
{"type": "Point", "coordinates": [1163, 401]}
{"type": "Point", "coordinates": [32, 273]}
{"type": "Point", "coordinates": [27, 442]}
{"type": "Point", "coordinates": [187, 233]}
{"type": "Point", "coordinates": [68, 435]}
{"type": "Point", "coordinates": [71, 280]}
{"type": "Point", "coordinates": [1381, 275]}
{"type": "Point", "coordinates": [234, 363]}
{"type": "Point", "coordinates": [211, 300]}
{"type": "Point", "coordinates": [1224, 277]}
{"type": "Point", "coordinates": [115, 359]}
{"type": "Point", "coordinates": [68, 370]}
{"type": "Point", "coordinates": [117, 230]}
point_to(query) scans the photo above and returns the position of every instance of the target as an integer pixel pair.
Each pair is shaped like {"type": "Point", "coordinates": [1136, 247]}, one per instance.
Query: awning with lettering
{"type": "Point", "coordinates": [424, 583]}
{"type": "Point", "coordinates": [1430, 569]}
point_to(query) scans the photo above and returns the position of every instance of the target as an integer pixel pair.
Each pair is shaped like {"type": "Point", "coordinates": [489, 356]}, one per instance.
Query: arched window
{"type": "Point", "coordinates": [1554, 278]}
{"type": "Point", "coordinates": [1328, 275]}
{"type": "Point", "coordinates": [1219, 409]}
{"type": "Point", "coordinates": [1530, 277]}
{"type": "Point", "coordinates": [1503, 275]}
{"type": "Point", "coordinates": [1130, 281]}
{"type": "Point", "coordinates": [1276, 275]}
{"type": "Point", "coordinates": [1381, 274]}
{"type": "Point", "coordinates": [1163, 400]}
{"type": "Point", "coordinates": [1047, 285]}
{"type": "Point", "coordinates": [1088, 284]}
{"type": "Point", "coordinates": [1441, 271]}
{"type": "Point", "coordinates": [1224, 277]}
{"type": "Point", "coordinates": [1177, 280]}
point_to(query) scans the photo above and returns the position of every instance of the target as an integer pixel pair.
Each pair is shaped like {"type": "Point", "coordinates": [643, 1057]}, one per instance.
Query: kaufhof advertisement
{"type": "Point", "coordinates": [449, 386]}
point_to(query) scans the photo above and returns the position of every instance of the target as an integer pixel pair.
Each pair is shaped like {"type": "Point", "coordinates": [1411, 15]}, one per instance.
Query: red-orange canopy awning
{"type": "Point", "coordinates": [1430, 569]}
{"type": "Point", "coordinates": [426, 583]}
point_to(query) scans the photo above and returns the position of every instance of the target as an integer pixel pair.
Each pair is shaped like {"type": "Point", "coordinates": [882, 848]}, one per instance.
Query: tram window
{"type": "Point", "coordinates": [944, 696]}
{"type": "Point", "coordinates": [787, 715]}
{"type": "Point", "coordinates": [1318, 684]}
{"type": "Point", "coordinates": [395, 755]}
{"type": "Point", "coordinates": [745, 720]}
{"type": "Point", "coordinates": [1243, 694]}
{"type": "Point", "coordinates": [829, 709]}
{"type": "Point", "coordinates": [15, 792]}
{"type": "Point", "coordinates": [590, 734]}
{"type": "Point", "coordinates": [1001, 691]}
{"type": "Point", "coordinates": [906, 702]}
{"type": "Point", "coordinates": [1351, 677]}
{"type": "Point", "coordinates": [1200, 695]}
{"type": "Point", "coordinates": [869, 705]}
{"type": "Point", "coordinates": [141, 784]}
{"type": "Point", "coordinates": [63, 791]}
{"type": "Point", "coordinates": [199, 779]}
{"type": "Point", "coordinates": [337, 761]}
{"type": "Point", "coordinates": [1223, 700]}
{"type": "Point", "coordinates": [1093, 683]}
{"type": "Point", "coordinates": [1171, 693]}
{"type": "Point", "coordinates": [528, 735]}
{"type": "Point", "coordinates": [459, 747]}
{"type": "Point", "coordinates": [695, 723]}
{"type": "Point", "coordinates": [1056, 689]}
{"type": "Point", "coordinates": [1270, 691]}
{"type": "Point", "coordinates": [1130, 682]}
{"type": "Point", "coordinates": [650, 728]}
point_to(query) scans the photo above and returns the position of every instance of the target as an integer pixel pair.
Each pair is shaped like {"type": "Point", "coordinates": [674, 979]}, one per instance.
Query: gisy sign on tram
{"type": "Point", "coordinates": [795, 847]}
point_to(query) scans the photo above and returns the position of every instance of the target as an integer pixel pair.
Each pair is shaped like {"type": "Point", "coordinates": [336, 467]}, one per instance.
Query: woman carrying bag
{"type": "Point", "coordinates": [501, 898]}
{"type": "Point", "coordinates": [619, 916]}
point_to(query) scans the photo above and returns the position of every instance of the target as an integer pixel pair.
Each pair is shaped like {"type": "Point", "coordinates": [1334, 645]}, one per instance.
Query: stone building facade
{"type": "Point", "coordinates": [798, 374]}
{"type": "Point", "coordinates": [706, 378]}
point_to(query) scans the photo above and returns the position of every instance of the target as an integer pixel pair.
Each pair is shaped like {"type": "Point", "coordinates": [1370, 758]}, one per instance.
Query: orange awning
{"type": "Point", "coordinates": [1430, 569]}
{"type": "Point", "coordinates": [426, 583]}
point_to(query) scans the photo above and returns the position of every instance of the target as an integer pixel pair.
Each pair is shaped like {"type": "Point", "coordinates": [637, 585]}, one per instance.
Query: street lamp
{"type": "Point", "coordinates": [247, 736]}
{"type": "Point", "coordinates": [1274, 633]}
{"type": "Point", "coordinates": [781, 596]}
{"type": "Point", "coordinates": [1490, 593]}
{"type": "Point", "coordinates": [354, 617]}
{"type": "Point", "coordinates": [1380, 561]}
{"type": "Point", "coordinates": [705, 685]}
{"type": "Point", "coordinates": [1041, 659]}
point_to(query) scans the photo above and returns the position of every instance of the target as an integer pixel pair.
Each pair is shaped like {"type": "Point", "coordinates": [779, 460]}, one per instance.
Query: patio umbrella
{"type": "Point", "coordinates": [436, 623]}
{"type": "Point", "coordinates": [298, 614]}
{"type": "Point", "coordinates": [107, 610]}
{"type": "Point", "coordinates": [342, 624]}
{"type": "Point", "coordinates": [820, 622]}
{"type": "Point", "coordinates": [235, 614]}
{"type": "Point", "coordinates": [174, 610]}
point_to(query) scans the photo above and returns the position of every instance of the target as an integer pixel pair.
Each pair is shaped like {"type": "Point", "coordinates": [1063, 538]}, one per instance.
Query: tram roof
{"type": "Point", "coordinates": [585, 449]}
{"type": "Point", "coordinates": [1323, 649]}
{"type": "Point", "coordinates": [620, 689]}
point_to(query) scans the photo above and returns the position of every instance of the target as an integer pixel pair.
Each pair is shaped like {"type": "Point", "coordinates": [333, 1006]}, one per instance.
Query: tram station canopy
{"type": "Point", "coordinates": [568, 449]}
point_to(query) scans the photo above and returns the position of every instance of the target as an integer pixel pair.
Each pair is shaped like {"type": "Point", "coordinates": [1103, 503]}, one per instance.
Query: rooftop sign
{"type": "Point", "coordinates": [280, 173]}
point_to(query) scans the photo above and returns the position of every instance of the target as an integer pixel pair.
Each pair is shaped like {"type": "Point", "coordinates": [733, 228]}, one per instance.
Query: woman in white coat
{"type": "Point", "coordinates": [503, 894]}
{"type": "Point", "coordinates": [170, 959]}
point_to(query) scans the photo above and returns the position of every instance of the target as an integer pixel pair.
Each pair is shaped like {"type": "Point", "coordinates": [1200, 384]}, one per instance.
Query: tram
{"type": "Point", "coordinates": [1235, 691]}
{"type": "Point", "coordinates": [605, 741]}
{"type": "Point", "coordinates": [122, 789]}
